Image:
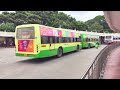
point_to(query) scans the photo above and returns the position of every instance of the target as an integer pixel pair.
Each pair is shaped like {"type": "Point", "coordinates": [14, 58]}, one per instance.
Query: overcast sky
{"type": "Point", "coordinates": [81, 15]}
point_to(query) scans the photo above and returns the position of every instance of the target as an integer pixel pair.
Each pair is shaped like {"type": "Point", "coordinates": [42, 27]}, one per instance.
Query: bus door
{"type": "Point", "coordinates": [52, 45]}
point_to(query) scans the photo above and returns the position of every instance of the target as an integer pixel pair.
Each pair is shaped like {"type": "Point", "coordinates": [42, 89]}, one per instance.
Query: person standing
{"type": "Point", "coordinates": [5, 43]}
{"type": "Point", "coordinates": [11, 43]}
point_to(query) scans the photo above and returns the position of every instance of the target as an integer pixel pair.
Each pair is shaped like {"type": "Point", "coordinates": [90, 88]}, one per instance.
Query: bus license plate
{"type": "Point", "coordinates": [25, 55]}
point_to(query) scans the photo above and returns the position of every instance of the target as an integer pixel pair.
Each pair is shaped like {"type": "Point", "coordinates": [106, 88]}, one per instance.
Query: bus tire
{"type": "Point", "coordinates": [60, 52]}
{"type": "Point", "coordinates": [88, 46]}
{"type": "Point", "coordinates": [77, 48]}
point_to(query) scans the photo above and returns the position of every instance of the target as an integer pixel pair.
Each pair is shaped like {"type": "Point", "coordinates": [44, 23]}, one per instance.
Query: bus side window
{"type": "Point", "coordinates": [71, 39]}
{"type": "Point", "coordinates": [97, 39]}
{"type": "Point", "coordinates": [74, 39]}
{"type": "Point", "coordinates": [94, 39]}
{"type": "Point", "coordinates": [86, 39]}
{"type": "Point", "coordinates": [51, 39]}
{"type": "Point", "coordinates": [77, 39]}
{"type": "Point", "coordinates": [44, 39]}
{"type": "Point", "coordinates": [56, 39]}
{"type": "Point", "coordinates": [89, 39]}
{"type": "Point", "coordinates": [68, 39]}
{"type": "Point", "coordinates": [80, 38]}
{"type": "Point", "coordinates": [60, 40]}
{"type": "Point", "coordinates": [63, 39]}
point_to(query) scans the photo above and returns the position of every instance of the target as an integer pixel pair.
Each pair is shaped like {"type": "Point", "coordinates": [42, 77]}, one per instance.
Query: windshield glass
{"type": "Point", "coordinates": [108, 37]}
{"type": "Point", "coordinates": [25, 33]}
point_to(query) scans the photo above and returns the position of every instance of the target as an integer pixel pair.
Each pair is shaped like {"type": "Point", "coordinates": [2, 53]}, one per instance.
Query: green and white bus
{"type": "Point", "coordinates": [89, 39]}
{"type": "Point", "coordinates": [39, 41]}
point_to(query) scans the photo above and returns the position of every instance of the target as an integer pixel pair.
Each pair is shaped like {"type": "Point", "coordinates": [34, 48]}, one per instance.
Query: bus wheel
{"type": "Point", "coordinates": [77, 48]}
{"type": "Point", "coordinates": [60, 52]}
{"type": "Point", "coordinates": [88, 46]}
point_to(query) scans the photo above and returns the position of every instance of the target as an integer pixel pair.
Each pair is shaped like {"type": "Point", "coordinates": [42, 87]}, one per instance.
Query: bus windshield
{"type": "Point", "coordinates": [25, 33]}
{"type": "Point", "coordinates": [108, 37]}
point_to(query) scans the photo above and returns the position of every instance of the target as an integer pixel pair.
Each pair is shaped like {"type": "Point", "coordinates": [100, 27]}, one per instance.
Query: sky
{"type": "Point", "coordinates": [80, 15]}
{"type": "Point", "coordinates": [83, 15]}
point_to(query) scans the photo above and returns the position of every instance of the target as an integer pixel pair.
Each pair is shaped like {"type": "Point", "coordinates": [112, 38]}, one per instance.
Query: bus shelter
{"type": "Point", "coordinates": [7, 39]}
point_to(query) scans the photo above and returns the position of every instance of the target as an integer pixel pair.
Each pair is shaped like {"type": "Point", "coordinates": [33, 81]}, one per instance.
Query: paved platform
{"type": "Point", "coordinates": [70, 66]}
{"type": "Point", "coordinates": [112, 69]}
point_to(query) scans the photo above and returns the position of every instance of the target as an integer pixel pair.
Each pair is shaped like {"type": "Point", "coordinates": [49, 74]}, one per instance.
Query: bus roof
{"type": "Point", "coordinates": [81, 32]}
{"type": "Point", "coordinates": [26, 25]}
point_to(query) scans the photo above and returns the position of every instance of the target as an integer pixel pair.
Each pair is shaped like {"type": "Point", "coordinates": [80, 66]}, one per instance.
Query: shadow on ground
{"type": "Point", "coordinates": [48, 59]}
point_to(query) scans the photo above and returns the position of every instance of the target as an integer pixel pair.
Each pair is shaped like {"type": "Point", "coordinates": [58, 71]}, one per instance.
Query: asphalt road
{"type": "Point", "coordinates": [70, 66]}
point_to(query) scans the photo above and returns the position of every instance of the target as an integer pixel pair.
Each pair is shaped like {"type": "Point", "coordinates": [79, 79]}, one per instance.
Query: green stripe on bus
{"type": "Point", "coordinates": [48, 53]}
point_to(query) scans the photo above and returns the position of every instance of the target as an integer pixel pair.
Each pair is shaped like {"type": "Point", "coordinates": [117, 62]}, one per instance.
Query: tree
{"type": "Point", "coordinates": [8, 27]}
{"type": "Point", "coordinates": [96, 27]}
{"type": "Point", "coordinates": [98, 22]}
{"type": "Point", "coordinates": [5, 13]}
{"type": "Point", "coordinates": [3, 19]}
{"type": "Point", "coordinates": [53, 19]}
{"type": "Point", "coordinates": [81, 26]}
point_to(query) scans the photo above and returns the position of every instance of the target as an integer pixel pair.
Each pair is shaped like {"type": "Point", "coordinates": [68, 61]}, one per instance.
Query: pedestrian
{"type": "Point", "coordinates": [0, 44]}
{"type": "Point", "coordinates": [11, 43]}
{"type": "Point", "coordinates": [97, 45]}
{"type": "Point", "coordinates": [5, 43]}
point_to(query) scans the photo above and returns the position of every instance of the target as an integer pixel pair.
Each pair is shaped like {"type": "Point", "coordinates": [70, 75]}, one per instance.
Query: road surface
{"type": "Point", "coordinates": [70, 66]}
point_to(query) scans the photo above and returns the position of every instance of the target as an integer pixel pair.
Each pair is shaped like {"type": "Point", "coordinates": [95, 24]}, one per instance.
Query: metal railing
{"type": "Point", "coordinates": [96, 70]}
